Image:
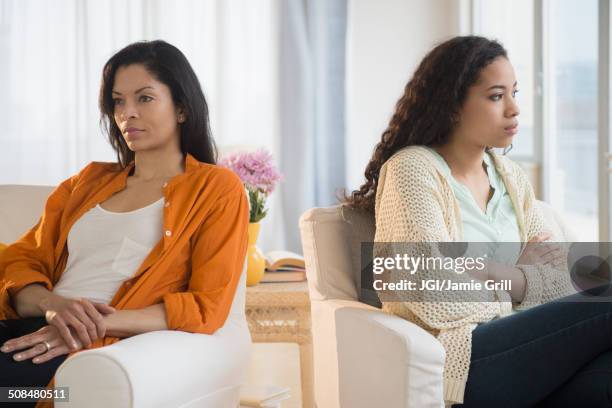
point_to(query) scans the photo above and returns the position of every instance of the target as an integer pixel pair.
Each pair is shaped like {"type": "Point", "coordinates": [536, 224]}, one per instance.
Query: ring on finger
{"type": "Point", "coordinates": [47, 345]}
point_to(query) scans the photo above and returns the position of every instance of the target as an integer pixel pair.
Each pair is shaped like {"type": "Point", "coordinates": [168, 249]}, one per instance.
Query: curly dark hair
{"type": "Point", "coordinates": [428, 111]}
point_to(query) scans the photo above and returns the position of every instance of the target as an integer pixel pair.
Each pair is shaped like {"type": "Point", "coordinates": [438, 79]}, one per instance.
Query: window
{"type": "Point", "coordinates": [553, 46]}
{"type": "Point", "coordinates": [511, 23]}
{"type": "Point", "coordinates": [573, 113]}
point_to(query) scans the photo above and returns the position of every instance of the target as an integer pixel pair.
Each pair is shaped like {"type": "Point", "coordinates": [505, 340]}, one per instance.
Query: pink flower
{"type": "Point", "coordinates": [255, 169]}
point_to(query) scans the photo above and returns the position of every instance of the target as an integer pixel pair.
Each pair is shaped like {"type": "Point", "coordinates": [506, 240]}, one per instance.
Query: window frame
{"type": "Point", "coordinates": [544, 147]}
{"type": "Point", "coordinates": [604, 128]}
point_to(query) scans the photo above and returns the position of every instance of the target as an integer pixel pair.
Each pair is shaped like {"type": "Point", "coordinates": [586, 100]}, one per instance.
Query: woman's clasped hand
{"type": "Point", "coordinates": [81, 316]}
{"type": "Point", "coordinates": [40, 346]}
{"type": "Point", "coordinates": [73, 324]}
{"type": "Point", "coordinates": [537, 251]}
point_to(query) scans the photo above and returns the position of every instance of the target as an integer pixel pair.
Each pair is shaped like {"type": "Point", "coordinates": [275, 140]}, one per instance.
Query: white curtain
{"type": "Point", "coordinates": [249, 56]}
{"type": "Point", "coordinates": [312, 77]}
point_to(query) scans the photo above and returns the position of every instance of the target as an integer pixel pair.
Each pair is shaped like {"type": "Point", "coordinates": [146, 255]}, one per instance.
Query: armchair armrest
{"type": "Point", "coordinates": [384, 360]}
{"type": "Point", "coordinates": [161, 369]}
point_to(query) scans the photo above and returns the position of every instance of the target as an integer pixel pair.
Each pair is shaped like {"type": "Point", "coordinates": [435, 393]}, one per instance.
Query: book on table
{"type": "Point", "coordinates": [284, 260]}
{"type": "Point", "coordinates": [284, 266]}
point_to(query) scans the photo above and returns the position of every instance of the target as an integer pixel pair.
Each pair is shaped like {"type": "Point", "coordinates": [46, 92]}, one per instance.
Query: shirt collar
{"type": "Point", "coordinates": [488, 161]}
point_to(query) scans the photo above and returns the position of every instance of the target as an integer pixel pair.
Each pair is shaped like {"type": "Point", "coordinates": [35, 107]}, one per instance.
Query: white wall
{"type": "Point", "coordinates": [386, 39]}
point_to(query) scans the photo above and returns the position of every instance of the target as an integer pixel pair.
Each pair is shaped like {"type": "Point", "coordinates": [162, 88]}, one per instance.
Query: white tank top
{"type": "Point", "coordinates": [106, 248]}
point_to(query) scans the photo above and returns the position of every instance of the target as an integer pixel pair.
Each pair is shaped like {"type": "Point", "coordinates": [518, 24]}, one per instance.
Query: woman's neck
{"type": "Point", "coordinates": [463, 159]}
{"type": "Point", "coordinates": [158, 164]}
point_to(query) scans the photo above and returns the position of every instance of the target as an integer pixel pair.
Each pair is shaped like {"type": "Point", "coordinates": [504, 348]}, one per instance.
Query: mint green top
{"type": "Point", "coordinates": [498, 224]}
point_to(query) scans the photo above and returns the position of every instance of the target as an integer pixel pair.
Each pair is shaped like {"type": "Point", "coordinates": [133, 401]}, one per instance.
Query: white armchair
{"type": "Point", "coordinates": [157, 369]}
{"type": "Point", "coordinates": [364, 357]}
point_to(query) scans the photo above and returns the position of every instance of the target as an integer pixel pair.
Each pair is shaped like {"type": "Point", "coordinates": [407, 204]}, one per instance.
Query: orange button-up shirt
{"type": "Point", "coordinates": [194, 269]}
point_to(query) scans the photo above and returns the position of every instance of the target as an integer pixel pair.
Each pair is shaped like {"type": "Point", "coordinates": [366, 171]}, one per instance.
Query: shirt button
{"type": "Point", "coordinates": [168, 233]}
{"type": "Point", "coordinates": [165, 185]}
{"type": "Point", "coordinates": [167, 204]}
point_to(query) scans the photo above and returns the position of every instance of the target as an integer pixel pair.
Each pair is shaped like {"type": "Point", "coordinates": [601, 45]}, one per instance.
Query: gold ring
{"type": "Point", "coordinates": [47, 345]}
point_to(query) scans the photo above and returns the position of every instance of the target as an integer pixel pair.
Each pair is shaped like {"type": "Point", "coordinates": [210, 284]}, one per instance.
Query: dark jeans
{"type": "Point", "coordinates": [24, 373]}
{"type": "Point", "coordinates": [558, 354]}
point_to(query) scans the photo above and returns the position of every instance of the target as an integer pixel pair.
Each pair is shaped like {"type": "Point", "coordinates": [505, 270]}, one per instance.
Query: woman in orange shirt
{"type": "Point", "coordinates": [155, 241]}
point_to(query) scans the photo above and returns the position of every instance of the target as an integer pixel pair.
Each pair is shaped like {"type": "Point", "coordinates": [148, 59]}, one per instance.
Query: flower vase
{"type": "Point", "coordinates": [256, 263]}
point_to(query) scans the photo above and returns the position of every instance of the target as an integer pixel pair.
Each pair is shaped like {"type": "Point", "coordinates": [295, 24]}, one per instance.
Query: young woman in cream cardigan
{"type": "Point", "coordinates": [434, 178]}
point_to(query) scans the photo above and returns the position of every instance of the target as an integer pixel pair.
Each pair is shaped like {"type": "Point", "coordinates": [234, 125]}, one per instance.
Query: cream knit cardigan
{"type": "Point", "coordinates": [415, 203]}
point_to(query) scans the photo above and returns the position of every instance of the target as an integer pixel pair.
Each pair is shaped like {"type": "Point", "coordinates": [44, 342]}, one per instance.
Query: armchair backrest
{"type": "Point", "coordinates": [20, 209]}
{"type": "Point", "coordinates": [331, 241]}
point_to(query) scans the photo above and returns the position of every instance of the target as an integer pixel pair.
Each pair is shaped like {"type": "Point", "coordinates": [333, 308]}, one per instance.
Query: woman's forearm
{"type": "Point", "coordinates": [126, 323]}
{"type": "Point", "coordinates": [30, 301]}
{"type": "Point", "coordinates": [500, 272]}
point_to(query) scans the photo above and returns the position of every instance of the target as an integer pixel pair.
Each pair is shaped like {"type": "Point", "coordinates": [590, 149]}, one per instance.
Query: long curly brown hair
{"type": "Point", "coordinates": [429, 109]}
